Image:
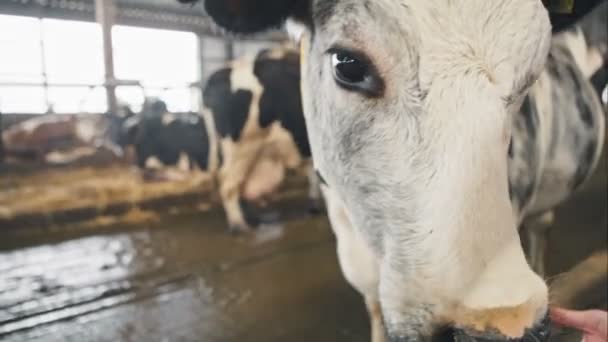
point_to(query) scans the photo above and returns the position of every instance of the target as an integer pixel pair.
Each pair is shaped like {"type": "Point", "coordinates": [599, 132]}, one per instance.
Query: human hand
{"type": "Point", "coordinates": [593, 323]}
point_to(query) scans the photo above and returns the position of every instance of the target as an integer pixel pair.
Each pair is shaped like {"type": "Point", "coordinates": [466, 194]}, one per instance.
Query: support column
{"type": "Point", "coordinates": [202, 72]}
{"type": "Point", "coordinates": [104, 12]}
{"type": "Point", "coordinates": [45, 76]}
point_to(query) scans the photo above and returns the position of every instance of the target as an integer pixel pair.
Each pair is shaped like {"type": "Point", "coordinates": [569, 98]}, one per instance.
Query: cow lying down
{"type": "Point", "coordinates": [62, 139]}
{"type": "Point", "coordinates": [249, 134]}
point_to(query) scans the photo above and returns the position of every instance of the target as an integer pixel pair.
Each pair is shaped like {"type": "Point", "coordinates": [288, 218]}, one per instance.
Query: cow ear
{"type": "Point", "coordinates": [251, 16]}
{"type": "Point", "coordinates": [565, 13]}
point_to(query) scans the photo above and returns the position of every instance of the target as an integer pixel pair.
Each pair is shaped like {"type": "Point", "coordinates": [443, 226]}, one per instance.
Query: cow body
{"type": "Point", "coordinates": [57, 138]}
{"type": "Point", "coordinates": [414, 121]}
{"type": "Point", "coordinates": [257, 110]}
{"type": "Point", "coordinates": [558, 135]}
{"type": "Point", "coordinates": [168, 145]}
{"type": "Point", "coordinates": [41, 135]}
{"type": "Point", "coordinates": [249, 134]}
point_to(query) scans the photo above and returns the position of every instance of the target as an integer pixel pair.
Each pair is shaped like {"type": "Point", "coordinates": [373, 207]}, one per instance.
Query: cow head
{"type": "Point", "coordinates": [408, 106]}
{"type": "Point", "coordinates": [154, 107]}
{"type": "Point", "coordinates": [116, 137]}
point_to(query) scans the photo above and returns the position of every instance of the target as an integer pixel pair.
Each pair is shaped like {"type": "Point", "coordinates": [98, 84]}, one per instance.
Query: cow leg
{"type": "Point", "coordinates": [230, 185]}
{"type": "Point", "coordinates": [239, 159]}
{"type": "Point", "coordinates": [536, 236]}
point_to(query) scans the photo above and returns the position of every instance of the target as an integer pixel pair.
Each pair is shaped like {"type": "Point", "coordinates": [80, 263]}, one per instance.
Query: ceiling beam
{"type": "Point", "coordinates": [171, 15]}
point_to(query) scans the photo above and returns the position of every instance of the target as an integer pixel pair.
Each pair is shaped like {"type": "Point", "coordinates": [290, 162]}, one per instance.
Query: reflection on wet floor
{"type": "Point", "coordinates": [184, 278]}
{"type": "Point", "coordinates": [179, 280]}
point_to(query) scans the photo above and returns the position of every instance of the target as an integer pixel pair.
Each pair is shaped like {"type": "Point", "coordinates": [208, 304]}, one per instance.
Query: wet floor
{"type": "Point", "coordinates": [180, 280]}
{"type": "Point", "coordinates": [183, 278]}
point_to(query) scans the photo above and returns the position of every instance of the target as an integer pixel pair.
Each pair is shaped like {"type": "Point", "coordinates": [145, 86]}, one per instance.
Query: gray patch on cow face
{"type": "Point", "coordinates": [323, 11]}
{"type": "Point", "coordinates": [524, 155]}
{"type": "Point", "coordinates": [361, 133]}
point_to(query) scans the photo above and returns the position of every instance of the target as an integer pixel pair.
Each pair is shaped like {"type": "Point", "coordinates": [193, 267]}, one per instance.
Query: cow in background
{"type": "Point", "coordinates": [35, 138]}
{"type": "Point", "coordinates": [249, 134]}
{"type": "Point", "coordinates": [168, 146]}
{"type": "Point", "coordinates": [588, 42]}
{"type": "Point", "coordinates": [257, 109]}
{"type": "Point", "coordinates": [63, 138]}
{"type": "Point", "coordinates": [559, 133]}
{"type": "Point", "coordinates": [112, 129]}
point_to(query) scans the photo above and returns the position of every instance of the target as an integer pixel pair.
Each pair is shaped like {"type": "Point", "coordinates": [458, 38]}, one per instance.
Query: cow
{"type": "Point", "coordinates": [559, 134]}
{"type": "Point", "coordinates": [250, 132]}
{"type": "Point", "coordinates": [257, 109]}
{"type": "Point", "coordinates": [38, 136]}
{"type": "Point", "coordinates": [114, 128]}
{"type": "Point", "coordinates": [410, 108]}
{"type": "Point", "coordinates": [587, 40]}
{"type": "Point", "coordinates": [165, 142]}
{"type": "Point", "coordinates": [63, 138]}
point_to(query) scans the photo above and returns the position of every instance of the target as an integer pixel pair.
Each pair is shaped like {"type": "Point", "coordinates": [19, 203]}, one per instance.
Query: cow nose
{"type": "Point", "coordinates": [540, 333]}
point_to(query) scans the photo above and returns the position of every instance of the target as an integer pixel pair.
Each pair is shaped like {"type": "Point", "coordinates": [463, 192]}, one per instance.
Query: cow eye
{"type": "Point", "coordinates": [354, 72]}
{"type": "Point", "coordinates": [348, 68]}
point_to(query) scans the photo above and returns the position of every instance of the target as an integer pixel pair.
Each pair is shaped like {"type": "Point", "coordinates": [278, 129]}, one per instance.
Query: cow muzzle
{"type": "Point", "coordinates": [540, 333]}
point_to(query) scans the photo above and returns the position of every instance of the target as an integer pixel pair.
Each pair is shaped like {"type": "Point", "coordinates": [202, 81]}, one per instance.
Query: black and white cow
{"type": "Point", "coordinates": [559, 134]}
{"type": "Point", "coordinates": [591, 49]}
{"type": "Point", "coordinates": [113, 128]}
{"type": "Point", "coordinates": [250, 133]}
{"type": "Point", "coordinates": [589, 46]}
{"type": "Point", "coordinates": [410, 107]}
{"type": "Point", "coordinates": [165, 141]}
{"type": "Point", "coordinates": [257, 109]}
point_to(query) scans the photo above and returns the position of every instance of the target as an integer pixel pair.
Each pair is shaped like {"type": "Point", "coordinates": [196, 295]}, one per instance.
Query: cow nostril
{"type": "Point", "coordinates": [450, 334]}
{"type": "Point", "coordinates": [445, 334]}
{"type": "Point", "coordinates": [541, 332]}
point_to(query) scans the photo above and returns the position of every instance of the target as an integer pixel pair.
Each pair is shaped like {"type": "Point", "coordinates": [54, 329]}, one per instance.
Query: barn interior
{"type": "Point", "coordinates": [91, 249]}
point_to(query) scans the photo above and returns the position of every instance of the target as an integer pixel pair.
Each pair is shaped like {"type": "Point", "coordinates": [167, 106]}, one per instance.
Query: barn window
{"type": "Point", "coordinates": [21, 65]}
{"type": "Point", "coordinates": [41, 71]}
{"type": "Point", "coordinates": [164, 62]}
{"type": "Point", "coordinates": [74, 66]}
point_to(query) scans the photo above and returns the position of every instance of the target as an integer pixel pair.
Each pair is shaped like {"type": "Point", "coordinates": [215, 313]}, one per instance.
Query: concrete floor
{"type": "Point", "coordinates": [184, 278]}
